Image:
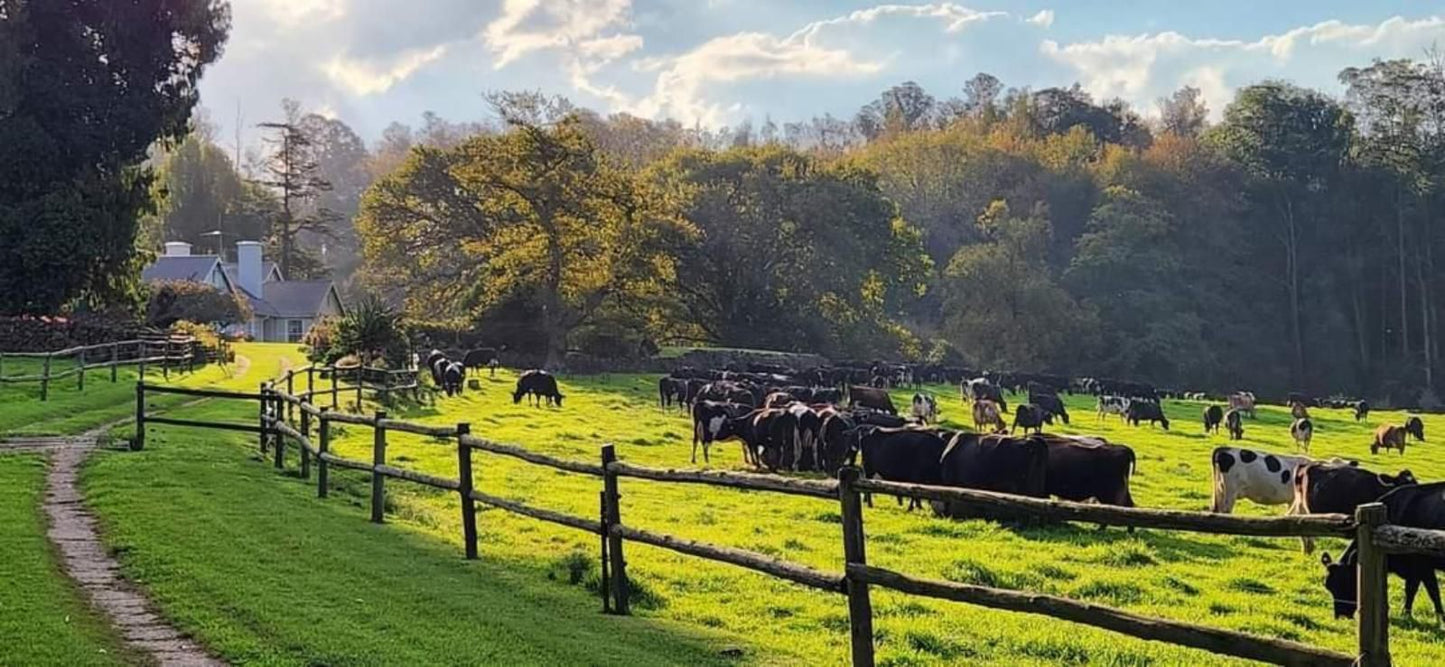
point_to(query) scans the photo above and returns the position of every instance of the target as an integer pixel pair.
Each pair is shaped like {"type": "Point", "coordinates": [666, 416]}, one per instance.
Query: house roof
{"type": "Point", "coordinates": [268, 270]}
{"type": "Point", "coordinates": [292, 298]}
{"type": "Point", "coordinates": [192, 267]}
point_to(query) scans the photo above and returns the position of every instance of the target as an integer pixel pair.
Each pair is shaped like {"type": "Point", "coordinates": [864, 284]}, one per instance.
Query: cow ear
{"type": "Point", "coordinates": [1325, 558]}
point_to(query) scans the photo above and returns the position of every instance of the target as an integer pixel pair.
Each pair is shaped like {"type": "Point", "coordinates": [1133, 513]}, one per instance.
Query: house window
{"type": "Point", "coordinates": [293, 331]}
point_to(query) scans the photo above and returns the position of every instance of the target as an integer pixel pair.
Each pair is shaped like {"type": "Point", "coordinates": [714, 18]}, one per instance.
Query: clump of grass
{"type": "Point", "coordinates": [941, 647]}
{"type": "Point", "coordinates": [1130, 554]}
{"type": "Point", "coordinates": [794, 544]}
{"type": "Point", "coordinates": [1247, 585]}
{"type": "Point", "coordinates": [1116, 592]}
{"type": "Point", "coordinates": [1180, 585]}
{"type": "Point", "coordinates": [965, 571]}
{"type": "Point", "coordinates": [828, 517]}
{"type": "Point", "coordinates": [1051, 571]}
{"type": "Point", "coordinates": [1301, 620]}
{"type": "Point", "coordinates": [574, 567]}
{"type": "Point", "coordinates": [1220, 609]}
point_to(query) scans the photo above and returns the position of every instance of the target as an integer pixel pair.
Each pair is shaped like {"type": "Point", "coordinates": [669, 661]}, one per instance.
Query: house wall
{"type": "Point", "coordinates": [277, 330]}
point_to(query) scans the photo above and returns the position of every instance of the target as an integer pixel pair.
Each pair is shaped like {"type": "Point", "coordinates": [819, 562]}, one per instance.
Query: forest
{"type": "Point", "coordinates": [1285, 242]}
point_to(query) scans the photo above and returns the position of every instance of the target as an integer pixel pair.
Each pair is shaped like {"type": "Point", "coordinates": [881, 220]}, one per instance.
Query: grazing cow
{"type": "Point", "coordinates": [925, 408]}
{"type": "Point", "coordinates": [452, 378]}
{"type": "Point", "coordinates": [1146, 411]}
{"type": "Point", "coordinates": [985, 414]}
{"type": "Point", "coordinates": [1420, 506]}
{"type": "Point", "coordinates": [994, 463]}
{"type": "Point", "coordinates": [670, 388]}
{"type": "Point", "coordinates": [1081, 468]}
{"type": "Point", "coordinates": [1388, 437]}
{"type": "Point", "coordinates": [1112, 405]}
{"type": "Point", "coordinates": [1242, 401]}
{"type": "Point", "coordinates": [980, 389]}
{"type": "Point", "coordinates": [1030, 416]}
{"type": "Point", "coordinates": [1362, 410]}
{"type": "Point", "coordinates": [481, 357]}
{"type": "Point", "coordinates": [1415, 426]}
{"type": "Point", "coordinates": [539, 385]}
{"type": "Point", "coordinates": [1302, 430]}
{"type": "Point", "coordinates": [900, 455]}
{"type": "Point", "coordinates": [1298, 410]}
{"type": "Point", "coordinates": [1213, 416]}
{"type": "Point", "coordinates": [1331, 488]}
{"type": "Point", "coordinates": [871, 398]}
{"type": "Point", "coordinates": [1050, 403]}
{"type": "Point", "coordinates": [1265, 478]}
{"type": "Point", "coordinates": [712, 421]}
{"type": "Point", "coordinates": [1234, 423]}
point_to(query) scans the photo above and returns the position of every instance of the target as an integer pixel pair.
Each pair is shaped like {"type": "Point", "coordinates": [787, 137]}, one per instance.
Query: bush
{"type": "Point", "coordinates": [320, 340]}
{"type": "Point", "coordinates": [175, 300]}
{"type": "Point", "coordinates": [374, 332]}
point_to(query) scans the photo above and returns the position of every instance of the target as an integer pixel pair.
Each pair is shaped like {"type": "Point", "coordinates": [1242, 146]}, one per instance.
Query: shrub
{"type": "Point", "coordinates": [175, 300]}
{"type": "Point", "coordinates": [320, 340]}
{"type": "Point", "coordinates": [374, 332]}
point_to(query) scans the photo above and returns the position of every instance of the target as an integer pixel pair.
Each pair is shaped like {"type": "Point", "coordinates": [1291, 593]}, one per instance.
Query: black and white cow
{"type": "Point", "coordinates": [1112, 405]}
{"type": "Point", "coordinates": [1362, 410]}
{"type": "Point", "coordinates": [540, 386]}
{"type": "Point", "coordinates": [452, 376]}
{"type": "Point", "coordinates": [1234, 423]}
{"type": "Point", "coordinates": [1302, 430]}
{"type": "Point", "coordinates": [1265, 478]}
{"type": "Point", "coordinates": [1213, 417]}
{"type": "Point", "coordinates": [980, 389]}
{"type": "Point", "coordinates": [925, 408]}
{"type": "Point", "coordinates": [1415, 426]}
{"type": "Point", "coordinates": [1416, 506]}
{"type": "Point", "coordinates": [1335, 488]}
{"type": "Point", "coordinates": [711, 422]}
{"type": "Point", "coordinates": [1146, 411]}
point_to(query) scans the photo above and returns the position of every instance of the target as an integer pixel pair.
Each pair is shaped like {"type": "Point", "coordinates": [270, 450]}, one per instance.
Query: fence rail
{"type": "Point", "coordinates": [1374, 537]}
{"type": "Point", "coordinates": [181, 352]}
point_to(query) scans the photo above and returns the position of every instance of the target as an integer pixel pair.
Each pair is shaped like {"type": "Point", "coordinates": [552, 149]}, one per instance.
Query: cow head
{"type": "Point", "coordinates": [1401, 479]}
{"type": "Point", "coordinates": [1342, 583]}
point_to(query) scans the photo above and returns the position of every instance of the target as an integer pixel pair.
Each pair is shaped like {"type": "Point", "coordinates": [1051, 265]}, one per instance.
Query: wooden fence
{"type": "Point", "coordinates": [177, 352]}
{"type": "Point", "coordinates": [312, 434]}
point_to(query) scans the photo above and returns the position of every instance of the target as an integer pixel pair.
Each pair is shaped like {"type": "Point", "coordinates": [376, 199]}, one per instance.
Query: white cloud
{"type": "Point", "coordinates": [1142, 68]}
{"type": "Point", "coordinates": [369, 78]}
{"type": "Point", "coordinates": [294, 13]}
{"type": "Point", "coordinates": [527, 26]}
{"type": "Point", "coordinates": [1044, 18]}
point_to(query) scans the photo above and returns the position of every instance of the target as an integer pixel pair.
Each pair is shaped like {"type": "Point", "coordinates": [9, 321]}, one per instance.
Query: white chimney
{"type": "Point", "coordinates": [248, 267]}
{"type": "Point", "coordinates": [178, 249]}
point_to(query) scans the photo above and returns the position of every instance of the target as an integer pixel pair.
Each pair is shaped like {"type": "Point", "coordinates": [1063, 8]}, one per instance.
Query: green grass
{"type": "Point", "coordinates": [44, 621]}
{"type": "Point", "coordinates": [249, 561]}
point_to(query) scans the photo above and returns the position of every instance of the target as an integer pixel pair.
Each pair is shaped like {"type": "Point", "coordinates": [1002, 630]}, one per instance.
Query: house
{"type": "Point", "coordinates": [282, 310]}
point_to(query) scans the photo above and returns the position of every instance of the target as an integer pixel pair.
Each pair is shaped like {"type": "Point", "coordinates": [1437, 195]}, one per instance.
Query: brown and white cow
{"type": "Point", "coordinates": [985, 415]}
{"type": "Point", "coordinates": [1387, 437]}
{"type": "Point", "coordinates": [1242, 401]}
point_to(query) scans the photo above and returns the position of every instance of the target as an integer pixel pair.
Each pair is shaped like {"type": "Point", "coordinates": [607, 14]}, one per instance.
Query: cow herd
{"type": "Point", "coordinates": [539, 386]}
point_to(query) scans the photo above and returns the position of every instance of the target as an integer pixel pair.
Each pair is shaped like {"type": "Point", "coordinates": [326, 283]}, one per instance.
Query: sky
{"type": "Point", "coordinates": [722, 62]}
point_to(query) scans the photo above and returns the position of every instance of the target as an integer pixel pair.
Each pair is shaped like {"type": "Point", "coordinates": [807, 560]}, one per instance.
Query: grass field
{"type": "Point", "coordinates": [43, 619]}
{"type": "Point", "coordinates": [253, 564]}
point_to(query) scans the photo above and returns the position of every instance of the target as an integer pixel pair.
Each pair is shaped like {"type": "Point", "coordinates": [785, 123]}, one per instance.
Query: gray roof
{"type": "Point", "coordinates": [194, 267]}
{"type": "Point", "coordinates": [292, 298]}
{"type": "Point", "coordinates": [266, 269]}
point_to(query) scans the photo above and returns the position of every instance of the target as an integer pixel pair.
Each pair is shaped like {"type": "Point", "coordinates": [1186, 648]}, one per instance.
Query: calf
{"type": "Point", "coordinates": [871, 398]}
{"type": "Point", "coordinates": [1362, 410]}
{"type": "Point", "coordinates": [1051, 404]}
{"type": "Point", "coordinates": [1267, 479]}
{"type": "Point", "coordinates": [1302, 430]}
{"type": "Point", "coordinates": [985, 414]}
{"type": "Point", "coordinates": [1213, 416]}
{"type": "Point", "coordinates": [1419, 506]}
{"type": "Point", "coordinates": [994, 463]}
{"type": "Point", "coordinates": [1332, 488]}
{"type": "Point", "coordinates": [900, 455]}
{"type": "Point", "coordinates": [1388, 437]}
{"type": "Point", "coordinates": [1112, 405]}
{"type": "Point", "coordinates": [713, 421]}
{"type": "Point", "coordinates": [1234, 423]}
{"type": "Point", "coordinates": [1146, 411]}
{"type": "Point", "coordinates": [538, 385]}
{"type": "Point", "coordinates": [1415, 426]}
{"type": "Point", "coordinates": [1030, 416]}
{"type": "Point", "coordinates": [925, 408]}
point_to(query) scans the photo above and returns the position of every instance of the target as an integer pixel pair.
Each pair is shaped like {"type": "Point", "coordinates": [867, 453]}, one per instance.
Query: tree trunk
{"type": "Point", "coordinates": [1292, 283]}
{"type": "Point", "coordinates": [1425, 329]}
{"type": "Point", "coordinates": [1400, 255]}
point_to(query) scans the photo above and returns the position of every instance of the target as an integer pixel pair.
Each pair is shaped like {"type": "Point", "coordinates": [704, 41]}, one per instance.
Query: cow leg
{"type": "Point", "coordinates": [1432, 588]}
{"type": "Point", "coordinates": [1412, 585]}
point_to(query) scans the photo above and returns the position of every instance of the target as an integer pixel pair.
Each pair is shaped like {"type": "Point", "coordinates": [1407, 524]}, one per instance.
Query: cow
{"type": "Point", "coordinates": [993, 463]}
{"type": "Point", "coordinates": [1418, 506]}
{"type": "Point", "coordinates": [1298, 410]}
{"type": "Point", "coordinates": [726, 390]}
{"type": "Point", "coordinates": [452, 376]}
{"type": "Point", "coordinates": [925, 408]}
{"type": "Point", "coordinates": [1388, 437]}
{"type": "Point", "coordinates": [539, 385]}
{"type": "Point", "coordinates": [1362, 410]}
{"type": "Point", "coordinates": [1415, 426]}
{"type": "Point", "coordinates": [980, 389]}
{"type": "Point", "coordinates": [1112, 405]}
{"type": "Point", "coordinates": [1213, 416]}
{"type": "Point", "coordinates": [711, 422]}
{"type": "Point", "coordinates": [1050, 403]}
{"type": "Point", "coordinates": [778, 399]}
{"type": "Point", "coordinates": [1302, 430]}
{"type": "Point", "coordinates": [482, 356]}
{"type": "Point", "coordinates": [900, 455]}
{"type": "Point", "coordinates": [1242, 401]}
{"type": "Point", "coordinates": [807, 425]}
{"type": "Point", "coordinates": [1234, 424]}
{"type": "Point", "coordinates": [1081, 468]}
{"type": "Point", "coordinates": [1332, 488]}
{"type": "Point", "coordinates": [1030, 416]}
{"type": "Point", "coordinates": [669, 389]}
{"type": "Point", "coordinates": [871, 398]}
{"type": "Point", "coordinates": [1146, 411]}
{"type": "Point", "coordinates": [985, 414]}
{"type": "Point", "coordinates": [1303, 399]}
{"type": "Point", "coordinates": [1265, 478]}
{"type": "Point", "coordinates": [435, 362]}
{"type": "Point", "coordinates": [833, 438]}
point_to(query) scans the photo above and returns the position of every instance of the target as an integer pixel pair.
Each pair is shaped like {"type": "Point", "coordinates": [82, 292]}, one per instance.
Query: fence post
{"type": "Point", "coordinates": [114, 359]}
{"type": "Point", "coordinates": [45, 380]}
{"type": "Point", "coordinates": [261, 440]}
{"type": "Point", "coordinates": [360, 380]}
{"type": "Point", "coordinates": [305, 455]}
{"type": "Point", "coordinates": [469, 506]}
{"type": "Point", "coordinates": [1374, 595]}
{"type": "Point", "coordinates": [166, 360]}
{"type": "Point", "coordinates": [310, 382]}
{"type": "Point", "coordinates": [290, 389]}
{"type": "Point", "coordinates": [860, 607]}
{"type": "Point", "coordinates": [80, 370]}
{"type": "Point", "coordinates": [613, 518]}
{"type": "Point", "coordinates": [323, 445]}
{"type": "Point", "coordinates": [602, 553]}
{"type": "Point", "coordinates": [142, 351]}
{"type": "Point", "coordinates": [378, 480]}
{"type": "Point", "coordinates": [139, 442]}
{"type": "Point", "coordinates": [335, 389]}
{"type": "Point", "coordinates": [278, 441]}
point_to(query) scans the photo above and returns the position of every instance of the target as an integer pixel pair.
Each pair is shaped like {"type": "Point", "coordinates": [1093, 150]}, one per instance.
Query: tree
{"type": "Point", "coordinates": [86, 91]}
{"type": "Point", "coordinates": [199, 193]}
{"type": "Point", "coordinates": [1183, 113]}
{"type": "Point", "coordinates": [191, 301]}
{"type": "Point", "coordinates": [293, 172]}
{"type": "Point", "coordinates": [341, 162]}
{"type": "Point", "coordinates": [902, 108]}
{"type": "Point", "coordinates": [534, 213]}
{"type": "Point", "coordinates": [980, 95]}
